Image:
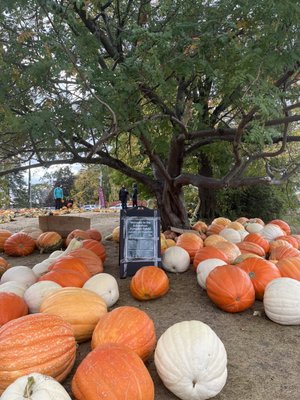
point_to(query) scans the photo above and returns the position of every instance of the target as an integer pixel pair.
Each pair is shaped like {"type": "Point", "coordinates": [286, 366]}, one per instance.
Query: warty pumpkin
{"type": "Point", "coordinates": [49, 241]}
{"type": "Point", "coordinates": [148, 283]}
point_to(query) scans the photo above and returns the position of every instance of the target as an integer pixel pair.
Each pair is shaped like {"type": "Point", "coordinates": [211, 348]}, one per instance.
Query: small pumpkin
{"type": "Point", "coordinates": [106, 286]}
{"type": "Point", "coordinates": [19, 245]}
{"type": "Point", "coordinates": [148, 283]}
{"type": "Point", "coordinates": [94, 234]}
{"type": "Point", "coordinates": [176, 259]}
{"type": "Point", "coordinates": [47, 242]}
{"type": "Point", "coordinates": [12, 306]}
{"type": "Point", "coordinates": [4, 234]}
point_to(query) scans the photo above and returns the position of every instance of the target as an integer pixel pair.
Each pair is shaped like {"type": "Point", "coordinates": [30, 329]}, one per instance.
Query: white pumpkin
{"type": "Point", "coordinates": [35, 387]}
{"type": "Point", "coordinates": [33, 231]}
{"type": "Point", "coordinates": [56, 253]}
{"type": "Point", "coordinates": [231, 235]}
{"type": "Point", "coordinates": [271, 232]}
{"type": "Point", "coordinates": [36, 293]}
{"type": "Point", "coordinates": [253, 227]}
{"type": "Point", "coordinates": [205, 267]}
{"type": "Point", "coordinates": [20, 274]}
{"type": "Point", "coordinates": [106, 286]}
{"type": "Point", "coordinates": [176, 259]}
{"type": "Point", "coordinates": [191, 360]}
{"type": "Point", "coordinates": [15, 287]}
{"type": "Point", "coordinates": [243, 234]}
{"type": "Point", "coordinates": [282, 301]}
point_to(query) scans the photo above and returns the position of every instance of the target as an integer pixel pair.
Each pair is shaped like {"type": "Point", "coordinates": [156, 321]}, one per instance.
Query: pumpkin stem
{"type": "Point", "coordinates": [28, 388]}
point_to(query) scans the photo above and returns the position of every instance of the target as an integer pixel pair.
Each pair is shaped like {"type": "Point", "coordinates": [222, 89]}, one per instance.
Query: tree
{"type": "Point", "coordinates": [162, 82]}
{"type": "Point", "coordinates": [63, 176]}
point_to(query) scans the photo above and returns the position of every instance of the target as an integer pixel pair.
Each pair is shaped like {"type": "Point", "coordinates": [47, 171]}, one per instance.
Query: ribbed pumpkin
{"type": "Point", "coordinates": [289, 267]}
{"type": "Point", "coordinates": [19, 245]}
{"type": "Point", "coordinates": [90, 259]}
{"type": "Point", "coordinates": [128, 326]}
{"type": "Point", "coordinates": [297, 237]}
{"type": "Point", "coordinates": [221, 221]}
{"type": "Point", "coordinates": [261, 272]}
{"type": "Point", "coordinates": [251, 248]}
{"type": "Point", "coordinates": [148, 283]}
{"type": "Point", "coordinates": [279, 243]}
{"type": "Point", "coordinates": [4, 265]}
{"type": "Point", "coordinates": [213, 240]}
{"type": "Point", "coordinates": [253, 227]}
{"type": "Point", "coordinates": [12, 306]}
{"type": "Point", "coordinates": [209, 252]}
{"type": "Point", "coordinates": [190, 242]}
{"type": "Point", "coordinates": [230, 288]}
{"type": "Point", "coordinates": [111, 372]}
{"type": "Point", "coordinates": [70, 263]}
{"type": "Point", "coordinates": [256, 238]}
{"type": "Point", "coordinates": [231, 250]}
{"type": "Point", "coordinates": [282, 252]}
{"type": "Point", "coordinates": [200, 226]}
{"type": "Point", "coordinates": [235, 225]}
{"type": "Point", "coordinates": [49, 241]}
{"type": "Point", "coordinates": [282, 224]}
{"type": "Point", "coordinates": [96, 247]}
{"type": "Point", "coordinates": [242, 220]}
{"type": "Point", "coordinates": [77, 234]}
{"type": "Point", "coordinates": [80, 307]}
{"type": "Point", "coordinates": [271, 232]}
{"type": "Point", "coordinates": [33, 231]}
{"type": "Point", "coordinates": [290, 239]}
{"type": "Point", "coordinates": [4, 234]}
{"type": "Point", "coordinates": [36, 343]}
{"type": "Point", "coordinates": [94, 234]}
{"type": "Point", "coordinates": [64, 278]}
{"type": "Point", "coordinates": [15, 287]}
{"type": "Point", "coordinates": [214, 229]}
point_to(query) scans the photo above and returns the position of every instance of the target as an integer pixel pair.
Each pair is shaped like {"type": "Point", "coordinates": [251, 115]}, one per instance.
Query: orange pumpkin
{"type": "Point", "coordinates": [89, 258]}
{"type": "Point", "coordinates": [19, 245]}
{"type": "Point", "coordinates": [200, 226]}
{"type": "Point", "coordinates": [4, 265]}
{"type": "Point", "coordinates": [190, 242]}
{"type": "Point", "coordinates": [290, 239]}
{"type": "Point", "coordinates": [283, 251]}
{"type": "Point", "coordinates": [96, 247]}
{"type": "Point", "coordinates": [12, 306]}
{"type": "Point", "coordinates": [48, 242]}
{"type": "Point", "coordinates": [128, 326]}
{"type": "Point", "coordinates": [230, 288]}
{"type": "Point", "coordinates": [64, 278]}
{"type": "Point", "coordinates": [69, 263]}
{"type": "Point", "coordinates": [36, 343]}
{"type": "Point", "coordinates": [214, 229]}
{"type": "Point", "coordinates": [297, 237]}
{"type": "Point", "coordinates": [261, 272]}
{"type": "Point", "coordinates": [282, 224]}
{"type": "Point", "coordinates": [149, 283]}
{"type": "Point", "coordinates": [94, 234]}
{"type": "Point", "coordinates": [77, 234]}
{"type": "Point", "coordinates": [4, 234]}
{"type": "Point", "coordinates": [242, 220]}
{"type": "Point", "coordinates": [253, 248]}
{"type": "Point", "coordinates": [112, 371]}
{"type": "Point", "coordinates": [230, 249]}
{"type": "Point", "coordinates": [256, 238]}
{"type": "Point", "coordinates": [289, 267]}
{"type": "Point", "coordinates": [213, 240]}
{"type": "Point", "coordinates": [208, 252]}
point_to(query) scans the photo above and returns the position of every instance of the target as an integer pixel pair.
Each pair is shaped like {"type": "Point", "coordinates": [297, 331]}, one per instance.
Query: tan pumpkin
{"type": "Point", "coordinates": [221, 221]}
{"type": "Point", "coordinates": [4, 265]}
{"type": "Point", "coordinates": [4, 234]}
{"type": "Point", "coordinates": [214, 229]}
{"type": "Point", "coordinates": [12, 306]}
{"type": "Point", "coordinates": [116, 234]}
{"type": "Point", "coordinates": [81, 308]}
{"type": "Point", "coordinates": [230, 249]}
{"type": "Point", "coordinates": [200, 226]}
{"type": "Point", "coordinates": [236, 226]}
{"type": "Point", "coordinates": [77, 234]}
{"type": "Point", "coordinates": [149, 283]}
{"type": "Point", "coordinates": [290, 239]}
{"type": "Point", "coordinates": [19, 245]}
{"type": "Point", "coordinates": [213, 240]}
{"type": "Point", "coordinates": [36, 343]}
{"type": "Point", "coordinates": [128, 326]}
{"type": "Point", "coordinates": [47, 242]}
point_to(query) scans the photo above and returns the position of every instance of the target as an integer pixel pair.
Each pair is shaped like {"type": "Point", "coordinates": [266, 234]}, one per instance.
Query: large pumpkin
{"type": "Point", "coordinates": [36, 343]}
{"type": "Point", "coordinates": [289, 267]}
{"type": "Point", "coordinates": [112, 371]}
{"type": "Point", "coordinates": [21, 274]}
{"type": "Point", "coordinates": [4, 265]}
{"type": "Point", "coordinates": [290, 239]}
{"type": "Point", "coordinates": [95, 247]}
{"type": "Point", "coordinates": [33, 231]}
{"type": "Point", "coordinates": [176, 259]}
{"type": "Point", "coordinates": [231, 235]}
{"type": "Point", "coordinates": [12, 306]}
{"type": "Point", "coordinates": [4, 234]}
{"type": "Point", "coordinates": [271, 232]}
{"type": "Point", "coordinates": [191, 360]}
{"type": "Point", "coordinates": [230, 288]}
{"type": "Point", "coordinates": [261, 272]}
{"type": "Point", "coordinates": [80, 307]}
{"type": "Point", "coordinates": [64, 278]}
{"type": "Point", "coordinates": [256, 238]}
{"type": "Point", "coordinates": [209, 252]}
{"type": "Point", "coordinates": [77, 234]}
{"type": "Point", "coordinates": [128, 326]}
{"type": "Point", "coordinates": [282, 224]}
{"type": "Point", "coordinates": [148, 283]}
{"type": "Point", "coordinates": [283, 252]}
{"type": "Point", "coordinates": [251, 248]}
{"type": "Point", "coordinates": [36, 293]}
{"type": "Point", "coordinates": [19, 245]}
{"type": "Point", "coordinates": [89, 258]}
{"type": "Point", "coordinates": [70, 263]}
{"type": "Point", "coordinates": [49, 241]}
{"type": "Point", "coordinates": [191, 242]}
{"type": "Point", "coordinates": [230, 249]}
{"type": "Point", "coordinates": [205, 267]}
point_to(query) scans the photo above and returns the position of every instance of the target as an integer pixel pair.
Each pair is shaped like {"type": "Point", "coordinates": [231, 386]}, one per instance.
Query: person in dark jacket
{"type": "Point", "coordinates": [134, 195]}
{"type": "Point", "coordinates": [123, 196]}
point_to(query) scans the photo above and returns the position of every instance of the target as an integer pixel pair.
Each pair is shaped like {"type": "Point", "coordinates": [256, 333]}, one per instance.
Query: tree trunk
{"type": "Point", "coordinates": [207, 195]}
{"type": "Point", "coordinates": [170, 203]}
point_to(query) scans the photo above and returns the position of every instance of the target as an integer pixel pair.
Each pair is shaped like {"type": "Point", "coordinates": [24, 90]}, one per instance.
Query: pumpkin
{"type": "Point", "coordinates": [96, 247]}
{"type": "Point", "coordinates": [15, 287]}
{"type": "Point", "coordinates": [19, 245]}
{"type": "Point", "coordinates": [230, 288]}
{"type": "Point", "coordinates": [231, 235]}
{"type": "Point", "coordinates": [242, 220]}
{"type": "Point", "coordinates": [282, 224]}
{"type": "Point", "coordinates": [36, 293]}
{"type": "Point", "coordinates": [209, 252]}
{"type": "Point", "coordinates": [235, 225]}
{"type": "Point", "coordinates": [281, 301]}
{"type": "Point", "coordinates": [176, 259]}
{"type": "Point", "coordinates": [279, 243]}
{"type": "Point", "coordinates": [221, 221]}
{"type": "Point", "coordinates": [128, 326]}
{"type": "Point", "coordinates": [94, 234]}
{"type": "Point", "coordinates": [230, 249]}
{"type": "Point", "coordinates": [190, 242]}
{"type": "Point", "coordinates": [214, 229]}
{"type": "Point", "coordinates": [148, 283]}
{"type": "Point", "coordinates": [191, 360]}
{"type": "Point", "coordinates": [81, 308]}
{"type": "Point", "coordinates": [289, 267]}
{"type": "Point", "coordinates": [32, 231]}
{"type": "Point", "coordinates": [271, 232]}
{"type": "Point", "coordinates": [252, 248]}
{"type": "Point", "coordinates": [4, 234]}
{"type": "Point", "coordinates": [283, 251]}
{"type": "Point", "coordinates": [90, 259]}
{"type": "Point", "coordinates": [297, 237]}
{"type": "Point", "coordinates": [116, 234]}
{"type": "Point", "coordinates": [243, 257]}
{"type": "Point", "coordinates": [213, 240]}
{"type": "Point", "coordinates": [106, 286]}
{"type": "Point", "coordinates": [70, 263]}
{"type": "Point", "coordinates": [261, 272]}
{"type": "Point", "coordinates": [200, 226]}
{"type": "Point", "coordinates": [64, 278]}
{"type": "Point", "coordinates": [36, 343]}
{"type": "Point", "coordinates": [112, 371]}
{"type": "Point", "coordinates": [49, 241]}
{"type": "Point", "coordinates": [77, 234]}
{"type": "Point", "coordinates": [253, 227]}
{"type": "Point", "coordinates": [35, 386]}
{"type": "Point", "coordinates": [205, 267]}
{"type": "Point", "coordinates": [243, 234]}
{"type": "Point", "coordinates": [256, 238]}
{"type": "Point", "coordinates": [12, 306]}
{"type": "Point", "coordinates": [20, 274]}
{"type": "Point", "coordinates": [4, 265]}
{"type": "Point", "coordinates": [290, 239]}
{"type": "Point", "coordinates": [256, 221]}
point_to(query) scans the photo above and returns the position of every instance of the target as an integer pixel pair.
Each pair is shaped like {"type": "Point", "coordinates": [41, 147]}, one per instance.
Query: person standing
{"type": "Point", "coordinates": [134, 195]}
{"type": "Point", "coordinates": [58, 196]}
{"type": "Point", "coordinates": [123, 195]}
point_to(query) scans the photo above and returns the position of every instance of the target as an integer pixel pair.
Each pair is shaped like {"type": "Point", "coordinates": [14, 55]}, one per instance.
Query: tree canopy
{"type": "Point", "coordinates": [176, 86]}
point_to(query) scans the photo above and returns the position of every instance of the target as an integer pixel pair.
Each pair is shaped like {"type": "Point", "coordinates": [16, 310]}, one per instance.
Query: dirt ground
{"type": "Point", "coordinates": [263, 357]}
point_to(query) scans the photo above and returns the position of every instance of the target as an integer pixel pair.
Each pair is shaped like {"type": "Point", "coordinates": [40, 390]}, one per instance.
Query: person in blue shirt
{"type": "Point", "coordinates": [58, 196]}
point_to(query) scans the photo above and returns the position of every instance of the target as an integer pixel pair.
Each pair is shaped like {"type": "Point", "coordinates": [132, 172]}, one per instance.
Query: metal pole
{"type": "Point", "coordinates": [29, 185]}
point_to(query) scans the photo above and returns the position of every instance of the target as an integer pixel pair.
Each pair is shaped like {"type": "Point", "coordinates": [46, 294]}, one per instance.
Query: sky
{"type": "Point", "coordinates": [38, 173]}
